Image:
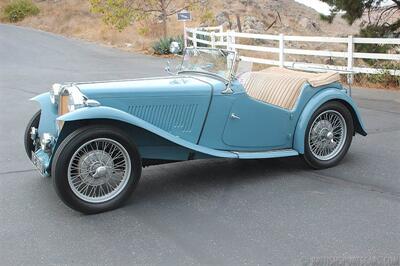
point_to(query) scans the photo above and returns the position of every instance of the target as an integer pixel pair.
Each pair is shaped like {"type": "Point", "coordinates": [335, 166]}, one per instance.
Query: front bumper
{"type": "Point", "coordinates": [41, 161]}
{"type": "Point", "coordinates": [44, 147]}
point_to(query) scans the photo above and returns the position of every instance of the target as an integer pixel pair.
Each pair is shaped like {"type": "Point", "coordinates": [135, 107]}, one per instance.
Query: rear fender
{"type": "Point", "coordinates": [104, 112]}
{"type": "Point", "coordinates": [314, 103]}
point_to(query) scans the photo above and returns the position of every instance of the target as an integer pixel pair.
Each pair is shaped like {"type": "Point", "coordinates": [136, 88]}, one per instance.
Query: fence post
{"type": "Point", "coordinates": [221, 29]}
{"type": "Point", "coordinates": [230, 40]}
{"type": "Point", "coordinates": [212, 39]}
{"type": "Point", "coordinates": [195, 37]}
{"type": "Point", "coordinates": [350, 50]}
{"type": "Point", "coordinates": [281, 50]}
{"type": "Point", "coordinates": [184, 35]}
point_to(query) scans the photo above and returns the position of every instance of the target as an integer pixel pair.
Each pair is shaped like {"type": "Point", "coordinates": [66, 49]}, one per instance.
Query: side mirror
{"type": "Point", "coordinates": [175, 48]}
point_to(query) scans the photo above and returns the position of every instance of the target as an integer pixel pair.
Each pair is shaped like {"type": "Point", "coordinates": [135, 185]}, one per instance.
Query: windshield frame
{"type": "Point", "coordinates": [230, 70]}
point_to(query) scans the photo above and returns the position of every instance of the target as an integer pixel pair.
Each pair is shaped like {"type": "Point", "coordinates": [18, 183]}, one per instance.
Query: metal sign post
{"type": "Point", "coordinates": [184, 16]}
{"type": "Point", "coordinates": [184, 35]}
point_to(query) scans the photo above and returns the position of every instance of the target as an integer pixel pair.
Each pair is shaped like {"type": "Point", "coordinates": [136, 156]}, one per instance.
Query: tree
{"type": "Point", "coordinates": [120, 13]}
{"type": "Point", "coordinates": [378, 20]}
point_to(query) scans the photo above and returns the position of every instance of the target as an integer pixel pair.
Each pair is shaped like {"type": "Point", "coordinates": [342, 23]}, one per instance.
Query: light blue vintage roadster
{"type": "Point", "coordinates": [93, 138]}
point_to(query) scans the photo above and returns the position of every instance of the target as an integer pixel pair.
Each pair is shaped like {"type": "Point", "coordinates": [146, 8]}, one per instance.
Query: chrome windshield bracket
{"type": "Point", "coordinates": [228, 90]}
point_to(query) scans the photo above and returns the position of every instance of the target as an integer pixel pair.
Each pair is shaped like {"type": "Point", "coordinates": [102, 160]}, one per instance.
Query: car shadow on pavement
{"type": "Point", "coordinates": [206, 175]}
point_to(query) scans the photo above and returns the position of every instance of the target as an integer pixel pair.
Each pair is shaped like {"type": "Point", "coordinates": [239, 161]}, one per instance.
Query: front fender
{"type": "Point", "coordinates": [49, 113]}
{"type": "Point", "coordinates": [104, 112]}
{"type": "Point", "coordinates": [315, 102]}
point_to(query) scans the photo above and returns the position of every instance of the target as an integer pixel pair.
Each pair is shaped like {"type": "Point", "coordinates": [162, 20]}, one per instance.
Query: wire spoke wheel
{"type": "Point", "coordinates": [99, 170]}
{"type": "Point", "coordinates": [327, 135]}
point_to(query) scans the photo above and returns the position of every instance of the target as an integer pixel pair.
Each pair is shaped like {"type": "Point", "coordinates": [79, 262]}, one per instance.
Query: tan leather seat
{"type": "Point", "coordinates": [281, 86]}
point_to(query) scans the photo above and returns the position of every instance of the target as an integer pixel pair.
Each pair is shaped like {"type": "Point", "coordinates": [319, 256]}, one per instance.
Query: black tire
{"type": "Point", "coordinates": [34, 122]}
{"type": "Point", "coordinates": [64, 154]}
{"type": "Point", "coordinates": [309, 157]}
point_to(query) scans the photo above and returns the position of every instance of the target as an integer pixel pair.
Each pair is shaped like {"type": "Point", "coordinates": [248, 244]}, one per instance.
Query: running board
{"type": "Point", "coordinates": [266, 154]}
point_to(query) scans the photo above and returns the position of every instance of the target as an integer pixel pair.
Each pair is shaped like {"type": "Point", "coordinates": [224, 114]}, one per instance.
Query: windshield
{"type": "Point", "coordinates": [213, 61]}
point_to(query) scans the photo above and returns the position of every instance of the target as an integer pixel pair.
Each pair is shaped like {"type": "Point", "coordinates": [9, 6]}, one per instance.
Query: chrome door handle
{"type": "Point", "coordinates": [233, 116]}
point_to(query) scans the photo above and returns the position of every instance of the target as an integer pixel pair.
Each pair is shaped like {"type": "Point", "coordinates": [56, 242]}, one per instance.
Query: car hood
{"type": "Point", "coordinates": [171, 86]}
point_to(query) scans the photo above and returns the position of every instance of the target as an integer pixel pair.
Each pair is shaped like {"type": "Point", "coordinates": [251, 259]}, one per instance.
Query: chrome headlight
{"type": "Point", "coordinates": [55, 93]}
{"type": "Point", "coordinates": [76, 99]}
{"type": "Point", "coordinates": [71, 98]}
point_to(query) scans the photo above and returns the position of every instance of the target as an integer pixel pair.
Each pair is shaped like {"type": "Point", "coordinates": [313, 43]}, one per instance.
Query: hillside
{"type": "Point", "coordinates": [74, 19]}
{"type": "Point", "coordinates": [291, 18]}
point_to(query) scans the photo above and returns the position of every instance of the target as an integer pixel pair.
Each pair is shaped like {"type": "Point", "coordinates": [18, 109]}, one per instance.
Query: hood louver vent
{"type": "Point", "coordinates": [171, 118]}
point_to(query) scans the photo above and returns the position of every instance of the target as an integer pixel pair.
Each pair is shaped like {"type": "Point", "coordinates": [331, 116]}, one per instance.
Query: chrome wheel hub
{"type": "Point", "coordinates": [99, 170]}
{"type": "Point", "coordinates": [327, 135]}
{"type": "Point", "coordinates": [96, 166]}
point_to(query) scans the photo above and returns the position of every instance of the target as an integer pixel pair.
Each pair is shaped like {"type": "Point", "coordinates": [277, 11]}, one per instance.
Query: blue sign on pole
{"type": "Point", "coordinates": [184, 16]}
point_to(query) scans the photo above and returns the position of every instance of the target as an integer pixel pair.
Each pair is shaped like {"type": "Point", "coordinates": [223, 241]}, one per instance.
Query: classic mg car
{"type": "Point", "coordinates": [93, 138]}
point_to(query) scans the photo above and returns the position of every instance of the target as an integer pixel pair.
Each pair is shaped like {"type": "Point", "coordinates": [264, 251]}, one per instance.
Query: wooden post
{"type": "Point", "coordinates": [281, 50]}
{"type": "Point", "coordinates": [212, 39]}
{"type": "Point", "coordinates": [230, 38]}
{"type": "Point", "coordinates": [350, 51]}
{"type": "Point", "coordinates": [195, 37]}
{"type": "Point", "coordinates": [184, 35]}
{"type": "Point", "coordinates": [233, 40]}
{"type": "Point", "coordinates": [221, 38]}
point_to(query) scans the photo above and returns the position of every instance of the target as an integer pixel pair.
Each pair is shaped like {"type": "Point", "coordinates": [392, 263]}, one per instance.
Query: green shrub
{"type": "Point", "coordinates": [17, 10]}
{"type": "Point", "coordinates": [181, 41]}
{"type": "Point", "coordinates": [163, 44]}
{"type": "Point", "coordinates": [374, 31]}
{"type": "Point", "coordinates": [384, 76]}
{"type": "Point", "coordinates": [207, 18]}
{"type": "Point", "coordinates": [143, 31]}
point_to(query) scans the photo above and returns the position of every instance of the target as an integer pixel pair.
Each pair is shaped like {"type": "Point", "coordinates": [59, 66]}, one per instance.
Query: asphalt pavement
{"type": "Point", "coordinates": [207, 212]}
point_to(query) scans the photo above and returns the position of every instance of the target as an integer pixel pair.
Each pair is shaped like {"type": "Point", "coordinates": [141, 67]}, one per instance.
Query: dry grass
{"type": "Point", "coordinates": [73, 18]}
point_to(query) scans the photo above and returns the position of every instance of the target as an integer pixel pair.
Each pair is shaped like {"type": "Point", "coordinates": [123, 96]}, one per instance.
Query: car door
{"type": "Point", "coordinates": [257, 125]}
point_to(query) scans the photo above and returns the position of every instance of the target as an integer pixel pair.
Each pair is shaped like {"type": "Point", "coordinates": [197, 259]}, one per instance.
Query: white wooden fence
{"type": "Point", "coordinates": [216, 37]}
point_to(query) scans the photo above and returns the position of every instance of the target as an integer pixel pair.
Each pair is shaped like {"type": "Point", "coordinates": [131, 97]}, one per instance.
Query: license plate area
{"type": "Point", "coordinates": [38, 163]}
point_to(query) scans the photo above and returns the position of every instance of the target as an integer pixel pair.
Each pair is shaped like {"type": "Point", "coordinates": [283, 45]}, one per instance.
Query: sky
{"type": "Point", "coordinates": [323, 7]}
{"type": "Point", "coordinates": [317, 5]}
